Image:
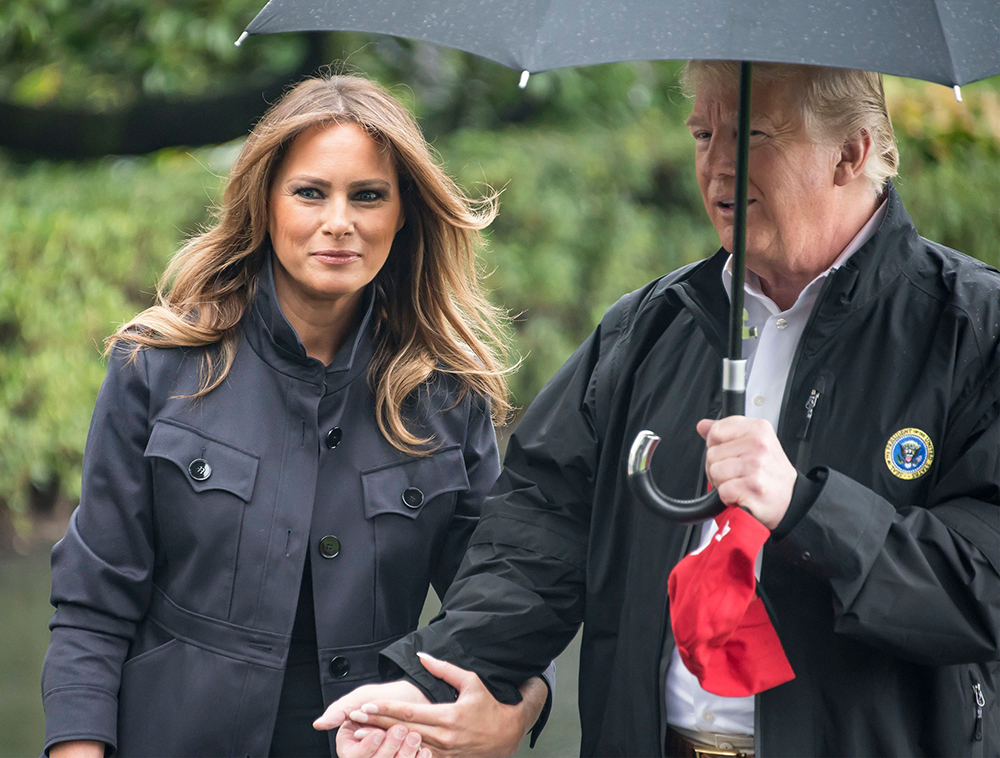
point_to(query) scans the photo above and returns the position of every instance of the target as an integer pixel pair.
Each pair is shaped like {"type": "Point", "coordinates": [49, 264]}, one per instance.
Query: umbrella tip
{"type": "Point", "coordinates": [524, 79]}
{"type": "Point", "coordinates": [958, 93]}
{"type": "Point", "coordinates": [240, 40]}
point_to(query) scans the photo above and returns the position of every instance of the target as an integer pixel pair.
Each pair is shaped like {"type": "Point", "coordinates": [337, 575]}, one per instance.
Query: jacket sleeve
{"type": "Point", "coordinates": [920, 582]}
{"type": "Point", "coordinates": [102, 568]}
{"type": "Point", "coordinates": [482, 465]}
{"type": "Point", "coordinates": [518, 597]}
{"type": "Point", "coordinates": [482, 462]}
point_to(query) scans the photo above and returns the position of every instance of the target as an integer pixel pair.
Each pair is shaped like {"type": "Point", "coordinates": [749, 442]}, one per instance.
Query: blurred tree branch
{"type": "Point", "coordinates": [149, 123]}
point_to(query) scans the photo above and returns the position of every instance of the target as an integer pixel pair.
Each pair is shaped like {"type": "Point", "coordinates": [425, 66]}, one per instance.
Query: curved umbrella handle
{"type": "Point", "coordinates": [640, 481]}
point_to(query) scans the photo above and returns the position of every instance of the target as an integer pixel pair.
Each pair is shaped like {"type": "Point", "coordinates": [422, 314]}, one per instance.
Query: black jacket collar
{"type": "Point", "coordinates": [274, 339]}
{"type": "Point", "coordinates": [866, 273]}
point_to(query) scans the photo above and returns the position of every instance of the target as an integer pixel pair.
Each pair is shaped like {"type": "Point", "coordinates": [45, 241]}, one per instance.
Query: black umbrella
{"type": "Point", "coordinates": [950, 42]}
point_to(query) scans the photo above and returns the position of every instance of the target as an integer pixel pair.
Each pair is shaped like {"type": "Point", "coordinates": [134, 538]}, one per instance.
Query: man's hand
{"type": "Point", "coordinates": [377, 743]}
{"type": "Point", "coordinates": [746, 465]}
{"type": "Point", "coordinates": [77, 749]}
{"type": "Point", "coordinates": [475, 726]}
{"type": "Point", "coordinates": [336, 713]}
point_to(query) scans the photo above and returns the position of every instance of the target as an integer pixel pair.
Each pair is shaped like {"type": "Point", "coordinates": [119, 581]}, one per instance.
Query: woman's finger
{"type": "Point", "coordinates": [458, 678]}
{"type": "Point", "coordinates": [383, 712]}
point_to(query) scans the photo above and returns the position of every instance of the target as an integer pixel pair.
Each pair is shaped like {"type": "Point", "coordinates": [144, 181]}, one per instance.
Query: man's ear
{"type": "Point", "coordinates": [853, 156]}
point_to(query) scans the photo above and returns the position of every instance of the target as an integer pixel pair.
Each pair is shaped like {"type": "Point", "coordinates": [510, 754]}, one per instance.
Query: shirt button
{"type": "Point", "coordinates": [339, 667]}
{"type": "Point", "coordinates": [329, 546]}
{"type": "Point", "coordinates": [333, 437]}
{"type": "Point", "coordinates": [199, 469]}
{"type": "Point", "coordinates": [781, 324]}
{"type": "Point", "coordinates": [806, 556]}
{"type": "Point", "coordinates": [709, 717]}
{"type": "Point", "coordinates": [759, 401]}
{"type": "Point", "coordinates": [412, 497]}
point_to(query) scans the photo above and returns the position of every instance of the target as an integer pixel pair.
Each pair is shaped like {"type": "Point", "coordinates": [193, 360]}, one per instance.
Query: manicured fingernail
{"type": "Point", "coordinates": [425, 753]}
{"type": "Point", "coordinates": [422, 654]}
{"type": "Point", "coordinates": [369, 708]}
{"type": "Point", "coordinates": [399, 731]}
{"type": "Point", "coordinates": [360, 734]}
{"type": "Point", "coordinates": [379, 736]}
{"type": "Point", "coordinates": [359, 716]}
{"type": "Point", "coordinates": [413, 739]}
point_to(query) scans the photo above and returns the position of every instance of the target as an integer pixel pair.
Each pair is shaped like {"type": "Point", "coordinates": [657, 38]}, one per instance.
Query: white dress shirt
{"type": "Point", "coordinates": [769, 359]}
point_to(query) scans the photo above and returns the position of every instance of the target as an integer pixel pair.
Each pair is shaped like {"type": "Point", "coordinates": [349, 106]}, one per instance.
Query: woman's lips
{"type": "Point", "coordinates": [337, 257]}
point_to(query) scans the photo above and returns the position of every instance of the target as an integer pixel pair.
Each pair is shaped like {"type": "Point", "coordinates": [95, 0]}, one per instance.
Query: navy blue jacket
{"type": "Point", "coordinates": [176, 585]}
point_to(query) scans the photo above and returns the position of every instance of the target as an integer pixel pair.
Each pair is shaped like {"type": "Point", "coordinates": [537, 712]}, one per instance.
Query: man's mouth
{"type": "Point", "coordinates": [729, 205]}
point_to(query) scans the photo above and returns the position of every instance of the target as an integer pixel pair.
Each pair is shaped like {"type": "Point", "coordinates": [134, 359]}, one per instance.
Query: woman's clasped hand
{"type": "Point", "coordinates": [476, 725]}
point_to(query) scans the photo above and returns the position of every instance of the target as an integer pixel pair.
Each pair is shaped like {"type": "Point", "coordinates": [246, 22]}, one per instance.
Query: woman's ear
{"type": "Point", "coordinates": [853, 157]}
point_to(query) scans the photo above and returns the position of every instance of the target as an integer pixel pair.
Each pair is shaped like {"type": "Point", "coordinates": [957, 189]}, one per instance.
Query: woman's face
{"type": "Point", "coordinates": [334, 209]}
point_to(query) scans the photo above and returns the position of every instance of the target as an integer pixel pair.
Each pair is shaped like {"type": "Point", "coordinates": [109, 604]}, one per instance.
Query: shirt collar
{"type": "Point", "coordinates": [751, 282]}
{"type": "Point", "coordinates": [275, 339]}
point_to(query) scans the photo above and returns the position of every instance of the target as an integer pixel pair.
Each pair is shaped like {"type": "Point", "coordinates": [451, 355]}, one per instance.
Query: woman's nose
{"type": "Point", "coordinates": [338, 220]}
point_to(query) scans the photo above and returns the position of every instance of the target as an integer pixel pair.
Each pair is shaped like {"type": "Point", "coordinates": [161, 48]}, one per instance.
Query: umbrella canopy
{"type": "Point", "coordinates": [951, 42]}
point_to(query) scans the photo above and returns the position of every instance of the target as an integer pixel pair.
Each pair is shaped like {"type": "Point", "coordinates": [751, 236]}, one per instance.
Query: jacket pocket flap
{"type": "Point", "coordinates": [405, 487]}
{"type": "Point", "coordinates": [207, 463]}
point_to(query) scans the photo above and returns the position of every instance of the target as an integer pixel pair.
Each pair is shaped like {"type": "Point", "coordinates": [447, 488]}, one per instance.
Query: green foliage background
{"type": "Point", "coordinates": [597, 171]}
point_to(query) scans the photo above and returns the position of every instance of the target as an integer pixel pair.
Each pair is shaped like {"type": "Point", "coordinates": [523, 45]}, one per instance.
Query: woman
{"type": "Point", "coordinates": [287, 449]}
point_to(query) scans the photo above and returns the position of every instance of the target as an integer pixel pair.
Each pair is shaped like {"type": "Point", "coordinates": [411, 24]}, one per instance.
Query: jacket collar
{"type": "Point", "coordinates": [862, 277]}
{"type": "Point", "coordinates": [274, 339]}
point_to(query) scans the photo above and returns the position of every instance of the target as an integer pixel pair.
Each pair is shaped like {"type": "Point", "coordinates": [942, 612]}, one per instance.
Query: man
{"type": "Point", "coordinates": [870, 448]}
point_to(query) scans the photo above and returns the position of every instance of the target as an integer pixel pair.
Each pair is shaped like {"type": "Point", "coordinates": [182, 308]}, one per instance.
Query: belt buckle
{"type": "Point", "coordinates": [718, 752]}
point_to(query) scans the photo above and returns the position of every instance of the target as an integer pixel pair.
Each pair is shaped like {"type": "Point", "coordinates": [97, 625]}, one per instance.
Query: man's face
{"type": "Point", "coordinates": [791, 177]}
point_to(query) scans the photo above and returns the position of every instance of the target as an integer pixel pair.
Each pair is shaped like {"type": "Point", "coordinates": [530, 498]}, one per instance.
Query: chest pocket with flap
{"type": "Point", "coordinates": [207, 463]}
{"type": "Point", "coordinates": [406, 488]}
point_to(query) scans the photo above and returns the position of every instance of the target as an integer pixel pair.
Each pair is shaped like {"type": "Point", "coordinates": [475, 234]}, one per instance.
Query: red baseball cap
{"type": "Point", "coordinates": [721, 628]}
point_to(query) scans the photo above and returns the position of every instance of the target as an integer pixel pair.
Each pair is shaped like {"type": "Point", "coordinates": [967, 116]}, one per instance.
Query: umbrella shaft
{"type": "Point", "coordinates": [740, 220]}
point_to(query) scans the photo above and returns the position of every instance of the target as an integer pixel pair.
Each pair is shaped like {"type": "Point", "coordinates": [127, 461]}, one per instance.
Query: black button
{"type": "Point", "coordinates": [333, 437]}
{"type": "Point", "coordinates": [339, 667]}
{"type": "Point", "coordinates": [329, 546]}
{"type": "Point", "coordinates": [199, 469]}
{"type": "Point", "coordinates": [412, 497]}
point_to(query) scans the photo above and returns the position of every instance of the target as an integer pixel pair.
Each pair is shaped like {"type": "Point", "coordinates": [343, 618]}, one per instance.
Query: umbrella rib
{"type": "Point", "coordinates": [543, 19]}
{"type": "Point", "coordinates": [947, 43]}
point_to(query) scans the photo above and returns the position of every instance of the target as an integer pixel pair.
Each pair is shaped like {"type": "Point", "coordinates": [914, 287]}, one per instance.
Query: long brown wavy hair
{"type": "Point", "coordinates": [431, 312]}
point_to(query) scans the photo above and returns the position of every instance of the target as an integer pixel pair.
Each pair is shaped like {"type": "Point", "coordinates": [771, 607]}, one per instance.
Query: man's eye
{"type": "Point", "coordinates": [309, 193]}
{"type": "Point", "coordinates": [368, 196]}
{"type": "Point", "coordinates": [701, 134]}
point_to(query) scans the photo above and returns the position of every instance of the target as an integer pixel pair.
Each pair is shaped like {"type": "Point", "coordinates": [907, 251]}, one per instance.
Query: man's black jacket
{"type": "Point", "coordinates": [886, 591]}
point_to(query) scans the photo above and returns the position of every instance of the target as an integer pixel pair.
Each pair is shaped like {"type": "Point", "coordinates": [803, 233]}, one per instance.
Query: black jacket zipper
{"type": "Point", "coordinates": [977, 690]}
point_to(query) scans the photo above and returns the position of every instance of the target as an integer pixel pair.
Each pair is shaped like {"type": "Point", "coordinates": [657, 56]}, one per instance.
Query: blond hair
{"type": "Point", "coordinates": [837, 104]}
{"type": "Point", "coordinates": [431, 313]}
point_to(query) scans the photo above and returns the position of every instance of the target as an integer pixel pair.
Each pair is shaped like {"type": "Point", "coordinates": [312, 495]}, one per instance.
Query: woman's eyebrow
{"type": "Point", "coordinates": [310, 179]}
{"type": "Point", "coordinates": [324, 183]}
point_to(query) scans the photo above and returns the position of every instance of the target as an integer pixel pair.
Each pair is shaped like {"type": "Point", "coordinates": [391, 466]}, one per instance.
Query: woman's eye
{"type": "Point", "coordinates": [368, 196]}
{"type": "Point", "coordinates": [309, 193]}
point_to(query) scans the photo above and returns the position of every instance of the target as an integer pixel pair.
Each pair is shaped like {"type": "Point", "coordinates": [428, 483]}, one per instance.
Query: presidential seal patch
{"type": "Point", "coordinates": [909, 453]}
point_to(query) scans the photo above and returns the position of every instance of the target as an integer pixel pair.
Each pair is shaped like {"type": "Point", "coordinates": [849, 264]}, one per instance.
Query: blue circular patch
{"type": "Point", "coordinates": [909, 453]}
